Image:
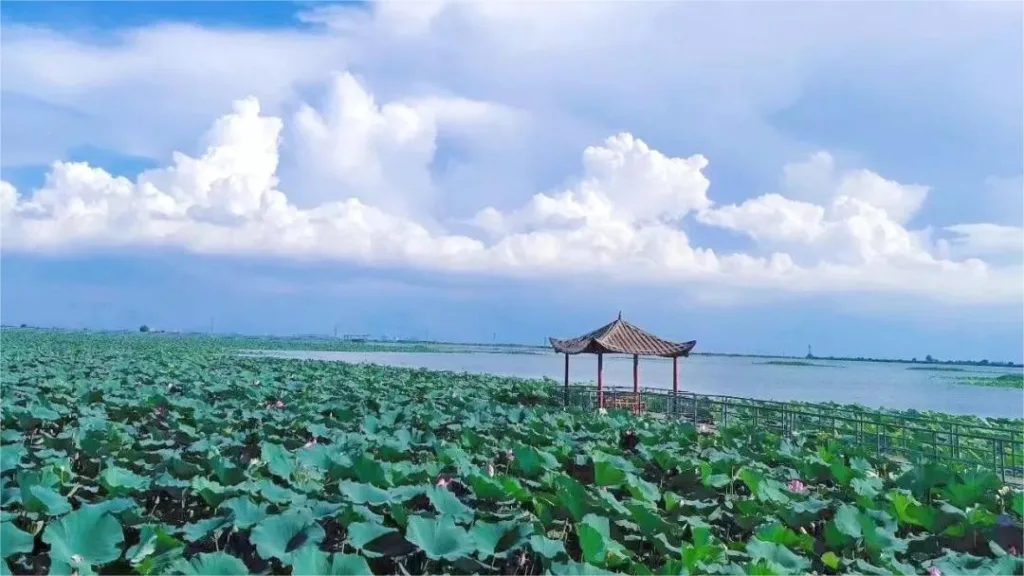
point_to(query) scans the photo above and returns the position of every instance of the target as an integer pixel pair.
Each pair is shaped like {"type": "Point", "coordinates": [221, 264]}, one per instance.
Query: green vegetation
{"type": "Point", "coordinates": [794, 363]}
{"type": "Point", "coordinates": [935, 368]}
{"type": "Point", "coordinates": [158, 455]}
{"type": "Point", "coordinates": [1002, 381]}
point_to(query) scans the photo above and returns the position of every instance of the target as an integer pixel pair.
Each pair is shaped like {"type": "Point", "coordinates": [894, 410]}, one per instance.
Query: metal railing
{"type": "Point", "coordinates": [917, 439]}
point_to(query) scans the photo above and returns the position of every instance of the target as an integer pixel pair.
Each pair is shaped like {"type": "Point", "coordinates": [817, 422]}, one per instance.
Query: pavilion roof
{"type": "Point", "coordinates": [621, 337]}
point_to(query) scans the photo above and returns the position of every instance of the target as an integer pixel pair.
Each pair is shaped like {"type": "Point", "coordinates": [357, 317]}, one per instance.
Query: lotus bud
{"type": "Point", "coordinates": [490, 470]}
{"type": "Point", "coordinates": [934, 571]}
{"type": "Point", "coordinates": [797, 487]}
{"type": "Point", "coordinates": [442, 482]}
{"type": "Point", "coordinates": [278, 404]}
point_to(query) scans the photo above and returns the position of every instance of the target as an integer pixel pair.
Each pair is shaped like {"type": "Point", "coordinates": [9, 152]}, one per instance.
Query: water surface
{"type": "Point", "coordinates": [878, 385]}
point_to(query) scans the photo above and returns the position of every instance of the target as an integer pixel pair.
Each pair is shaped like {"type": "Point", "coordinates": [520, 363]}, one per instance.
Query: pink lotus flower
{"type": "Point", "coordinates": [1012, 550]}
{"type": "Point", "coordinates": [310, 443]}
{"type": "Point", "coordinates": [279, 404]}
{"type": "Point", "coordinates": [934, 571]}
{"type": "Point", "coordinates": [442, 482]}
{"type": "Point", "coordinates": [797, 487]}
{"type": "Point", "coordinates": [521, 559]}
{"type": "Point", "coordinates": [159, 412]}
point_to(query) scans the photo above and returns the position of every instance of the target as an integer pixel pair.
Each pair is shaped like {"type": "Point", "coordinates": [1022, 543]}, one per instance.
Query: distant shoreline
{"type": "Point", "coordinates": [329, 343]}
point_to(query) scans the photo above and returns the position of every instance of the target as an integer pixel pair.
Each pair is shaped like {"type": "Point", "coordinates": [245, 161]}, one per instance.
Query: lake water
{"type": "Point", "coordinates": [866, 383]}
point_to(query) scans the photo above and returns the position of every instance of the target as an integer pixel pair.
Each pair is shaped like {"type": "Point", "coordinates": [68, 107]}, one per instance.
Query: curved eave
{"type": "Point", "coordinates": [575, 346]}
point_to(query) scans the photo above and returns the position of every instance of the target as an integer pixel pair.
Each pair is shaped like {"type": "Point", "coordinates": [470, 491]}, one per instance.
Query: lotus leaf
{"type": "Point", "coordinates": [215, 564]}
{"type": "Point", "coordinates": [209, 458]}
{"type": "Point", "coordinates": [439, 538]}
{"type": "Point", "coordinates": [89, 536]}
{"type": "Point", "coordinates": [281, 535]}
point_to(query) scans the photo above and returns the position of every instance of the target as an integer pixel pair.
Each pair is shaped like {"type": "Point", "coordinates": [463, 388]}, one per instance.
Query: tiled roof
{"type": "Point", "coordinates": [621, 337]}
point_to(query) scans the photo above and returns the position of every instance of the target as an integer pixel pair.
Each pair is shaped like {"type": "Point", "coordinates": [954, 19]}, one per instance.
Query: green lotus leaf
{"type": "Point", "coordinates": [319, 509]}
{"type": "Point", "coordinates": [532, 462]}
{"type": "Point", "coordinates": [89, 536]}
{"type": "Point", "coordinates": [309, 561]}
{"type": "Point", "coordinates": [847, 521]}
{"type": "Point", "coordinates": [495, 538]}
{"type": "Point", "coordinates": [547, 547]}
{"type": "Point", "coordinates": [370, 471]}
{"type": "Point", "coordinates": [777, 556]}
{"type": "Point", "coordinates": [211, 492]}
{"type": "Point", "coordinates": [11, 456]}
{"type": "Point", "coordinates": [280, 536]}
{"type": "Point", "coordinates": [279, 461]}
{"type": "Point", "coordinates": [226, 472]}
{"type": "Point", "coordinates": [572, 495]}
{"type": "Point", "coordinates": [439, 538]}
{"type": "Point", "coordinates": [360, 534]}
{"type": "Point", "coordinates": [213, 564]}
{"type": "Point", "coordinates": [153, 540]}
{"type": "Point", "coordinates": [364, 493]}
{"type": "Point", "coordinates": [596, 541]}
{"type": "Point", "coordinates": [778, 533]}
{"type": "Point", "coordinates": [642, 489]}
{"type": "Point", "coordinates": [244, 512]}
{"type": "Point", "coordinates": [577, 569]}
{"type": "Point", "coordinates": [14, 541]}
{"type": "Point", "coordinates": [199, 530]}
{"type": "Point", "coordinates": [45, 499]}
{"type": "Point", "coordinates": [867, 487]}
{"type": "Point", "coordinates": [119, 481]}
{"type": "Point", "coordinates": [446, 503]}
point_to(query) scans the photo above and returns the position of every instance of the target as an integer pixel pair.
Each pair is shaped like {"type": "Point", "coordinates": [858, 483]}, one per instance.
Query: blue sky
{"type": "Point", "coordinates": [758, 176]}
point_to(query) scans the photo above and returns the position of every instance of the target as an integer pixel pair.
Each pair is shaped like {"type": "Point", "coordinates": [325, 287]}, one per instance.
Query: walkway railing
{"type": "Point", "coordinates": [917, 439]}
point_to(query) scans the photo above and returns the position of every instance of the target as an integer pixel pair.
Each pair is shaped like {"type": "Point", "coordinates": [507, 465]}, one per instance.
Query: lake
{"type": "Point", "coordinates": [879, 385]}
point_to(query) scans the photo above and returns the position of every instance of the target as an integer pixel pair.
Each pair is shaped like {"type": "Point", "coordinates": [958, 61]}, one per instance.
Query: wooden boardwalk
{"type": "Point", "coordinates": [913, 439]}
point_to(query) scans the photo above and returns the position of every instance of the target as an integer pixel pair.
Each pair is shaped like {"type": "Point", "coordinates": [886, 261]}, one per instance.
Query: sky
{"type": "Point", "coordinates": [757, 176]}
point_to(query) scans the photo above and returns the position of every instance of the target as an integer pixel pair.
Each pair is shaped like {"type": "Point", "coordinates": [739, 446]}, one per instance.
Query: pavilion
{"type": "Point", "coordinates": [621, 337]}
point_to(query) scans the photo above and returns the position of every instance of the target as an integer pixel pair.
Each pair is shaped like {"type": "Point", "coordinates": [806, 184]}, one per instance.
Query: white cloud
{"type": "Point", "coordinates": [986, 239]}
{"type": "Point", "coordinates": [623, 219]}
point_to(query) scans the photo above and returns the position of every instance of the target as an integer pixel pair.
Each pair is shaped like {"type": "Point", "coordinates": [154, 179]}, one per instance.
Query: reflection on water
{"type": "Point", "coordinates": [869, 384]}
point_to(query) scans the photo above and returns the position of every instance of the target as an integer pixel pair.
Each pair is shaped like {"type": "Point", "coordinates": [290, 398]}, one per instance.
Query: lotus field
{"type": "Point", "coordinates": [162, 455]}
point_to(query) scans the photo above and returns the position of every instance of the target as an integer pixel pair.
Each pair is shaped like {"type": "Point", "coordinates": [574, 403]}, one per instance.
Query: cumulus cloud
{"type": "Point", "coordinates": [623, 218]}
{"type": "Point", "coordinates": [986, 239]}
{"type": "Point", "coordinates": [855, 217]}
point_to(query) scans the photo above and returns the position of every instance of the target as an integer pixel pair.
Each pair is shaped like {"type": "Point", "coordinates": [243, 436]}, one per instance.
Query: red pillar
{"type": "Point", "coordinates": [675, 375]}
{"type": "Point", "coordinates": [636, 383]}
{"type": "Point", "coordinates": [600, 380]}
{"type": "Point", "coordinates": [675, 385]}
{"type": "Point", "coordinates": [566, 400]}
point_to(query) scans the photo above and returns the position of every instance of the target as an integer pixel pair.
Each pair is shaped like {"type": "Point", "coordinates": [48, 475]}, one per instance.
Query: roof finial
{"type": "Point", "coordinates": [620, 314]}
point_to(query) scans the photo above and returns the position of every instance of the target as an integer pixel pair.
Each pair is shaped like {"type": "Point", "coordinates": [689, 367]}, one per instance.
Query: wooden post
{"type": "Point", "coordinates": [636, 384]}
{"type": "Point", "coordinates": [600, 380]}
{"type": "Point", "coordinates": [675, 384]}
{"type": "Point", "coordinates": [566, 399]}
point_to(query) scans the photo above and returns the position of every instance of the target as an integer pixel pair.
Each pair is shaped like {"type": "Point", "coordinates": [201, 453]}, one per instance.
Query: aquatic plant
{"type": "Point", "coordinates": [169, 456]}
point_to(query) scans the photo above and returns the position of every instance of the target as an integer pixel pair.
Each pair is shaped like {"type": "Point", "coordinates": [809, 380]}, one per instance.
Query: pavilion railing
{"type": "Point", "coordinates": [917, 439]}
